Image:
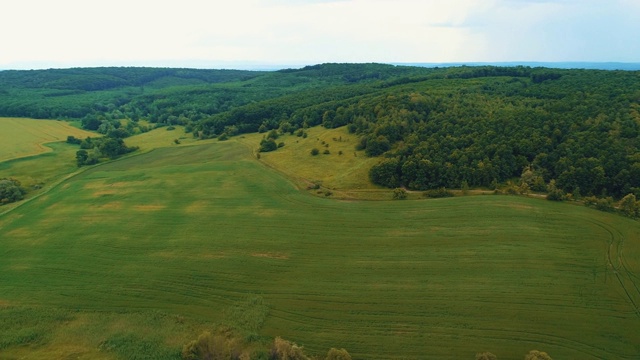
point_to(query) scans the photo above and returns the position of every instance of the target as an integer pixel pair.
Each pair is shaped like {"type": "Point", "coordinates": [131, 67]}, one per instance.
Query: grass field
{"type": "Point", "coordinates": [27, 137]}
{"type": "Point", "coordinates": [134, 257]}
{"type": "Point", "coordinates": [342, 170]}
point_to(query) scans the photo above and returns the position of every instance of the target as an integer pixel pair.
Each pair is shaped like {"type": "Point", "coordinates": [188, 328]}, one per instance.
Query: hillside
{"type": "Point", "coordinates": [432, 127]}
{"type": "Point", "coordinates": [133, 258]}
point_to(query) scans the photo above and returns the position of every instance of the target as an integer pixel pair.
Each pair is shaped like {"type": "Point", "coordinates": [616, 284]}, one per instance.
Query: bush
{"type": "Point", "coordinates": [10, 191]}
{"type": "Point", "coordinates": [486, 356]}
{"type": "Point", "coordinates": [286, 350]}
{"type": "Point", "coordinates": [315, 151]}
{"type": "Point", "coordinates": [438, 193]}
{"type": "Point", "coordinates": [267, 145]}
{"type": "Point", "coordinates": [399, 194]}
{"type": "Point", "coordinates": [537, 355]}
{"type": "Point", "coordinates": [337, 354]}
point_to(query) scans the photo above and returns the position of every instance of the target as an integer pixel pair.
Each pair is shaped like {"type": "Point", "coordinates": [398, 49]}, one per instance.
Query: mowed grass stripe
{"type": "Point", "coordinates": [192, 230]}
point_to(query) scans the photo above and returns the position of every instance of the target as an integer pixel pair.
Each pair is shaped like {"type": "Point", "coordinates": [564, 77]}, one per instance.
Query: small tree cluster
{"type": "Point", "coordinates": [10, 191]}
{"type": "Point", "coordinates": [92, 150]}
{"type": "Point", "coordinates": [267, 145]}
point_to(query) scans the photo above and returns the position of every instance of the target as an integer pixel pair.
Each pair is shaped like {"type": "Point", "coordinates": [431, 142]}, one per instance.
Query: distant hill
{"type": "Point", "coordinates": [552, 65]}
{"type": "Point", "coordinates": [432, 127]}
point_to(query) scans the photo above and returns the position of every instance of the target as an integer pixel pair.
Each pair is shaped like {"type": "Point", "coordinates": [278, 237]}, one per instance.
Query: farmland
{"type": "Point", "coordinates": [26, 137]}
{"type": "Point", "coordinates": [136, 256]}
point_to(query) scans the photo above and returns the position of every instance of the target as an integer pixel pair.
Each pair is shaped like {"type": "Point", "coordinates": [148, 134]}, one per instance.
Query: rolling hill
{"type": "Point", "coordinates": [136, 256]}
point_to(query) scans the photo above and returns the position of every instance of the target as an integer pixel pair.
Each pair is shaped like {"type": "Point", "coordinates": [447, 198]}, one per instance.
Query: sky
{"type": "Point", "coordinates": [254, 33]}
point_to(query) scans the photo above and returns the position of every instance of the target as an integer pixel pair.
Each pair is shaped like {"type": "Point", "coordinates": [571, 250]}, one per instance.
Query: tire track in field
{"type": "Point", "coordinates": [617, 263]}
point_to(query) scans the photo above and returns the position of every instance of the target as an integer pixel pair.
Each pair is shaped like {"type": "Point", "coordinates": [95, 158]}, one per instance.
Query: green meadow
{"type": "Point", "coordinates": [133, 258]}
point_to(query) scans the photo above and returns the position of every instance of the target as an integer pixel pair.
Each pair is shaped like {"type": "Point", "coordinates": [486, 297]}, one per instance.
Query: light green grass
{"type": "Point", "coordinates": [344, 170]}
{"type": "Point", "coordinates": [195, 230]}
{"type": "Point", "coordinates": [160, 137]}
{"type": "Point", "coordinates": [27, 137]}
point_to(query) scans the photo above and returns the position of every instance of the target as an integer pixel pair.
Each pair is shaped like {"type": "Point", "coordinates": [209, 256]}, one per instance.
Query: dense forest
{"type": "Point", "coordinates": [431, 127]}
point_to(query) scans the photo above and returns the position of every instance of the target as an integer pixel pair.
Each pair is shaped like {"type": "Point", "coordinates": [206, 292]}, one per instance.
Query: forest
{"type": "Point", "coordinates": [431, 127]}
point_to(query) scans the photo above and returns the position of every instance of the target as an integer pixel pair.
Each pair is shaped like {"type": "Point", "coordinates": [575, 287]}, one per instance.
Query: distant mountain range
{"type": "Point", "coordinates": [556, 65]}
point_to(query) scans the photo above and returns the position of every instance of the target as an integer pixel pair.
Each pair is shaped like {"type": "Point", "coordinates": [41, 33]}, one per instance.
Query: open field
{"type": "Point", "coordinates": [343, 170]}
{"type": "Point", "coordinates": [141, 253]}
{"type": "Point", "coordinates": [26, 137]}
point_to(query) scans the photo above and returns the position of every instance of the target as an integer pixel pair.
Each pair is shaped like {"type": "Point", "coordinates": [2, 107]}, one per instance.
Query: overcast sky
{"type": "Point", "coordinates": [199, 33]}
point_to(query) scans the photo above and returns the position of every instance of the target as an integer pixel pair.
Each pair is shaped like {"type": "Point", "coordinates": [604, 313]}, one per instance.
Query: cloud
{"type": "Point", "coordinates": [310, 31]}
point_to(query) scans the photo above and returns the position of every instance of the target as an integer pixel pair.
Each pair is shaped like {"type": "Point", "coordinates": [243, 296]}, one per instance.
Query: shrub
{"type": "Point", "coordinates": [399, 194]}
{"type": "Point", "coordinates": [326, 152]}
{"type": "Point", "coordinates": [10, 191]}
{"type": "Point", "coordinates": [267, 145]}
{"type": "Point", "coordinates": [315, 151]}
{"type": "Point", "coordinates": [286, 350]}
{"type": "Point", "coordinates": [553, 193]}
{"type": "Point", "coordinates": [438, 193]}
{"type": "Point", "coordinates": [486, 356]}
{"type": "Point", "coordinates": [337, 354]}
{"type": "Point", "coordinates": [537, 355]}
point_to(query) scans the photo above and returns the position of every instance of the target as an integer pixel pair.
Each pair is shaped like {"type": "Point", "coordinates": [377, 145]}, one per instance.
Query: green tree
{"type": "Point", "coordinates": [267, 145]}
{"type": "Point", "coordinates": [630, 206]}
{"type": "Point", "coordinates": [81, 157]}
{"type": "Point", "coordinates": [554, 193]}
{"type": "Point", "coordinates": [10, 191]}
{"type": "Point", "coordinates": [315, 151]}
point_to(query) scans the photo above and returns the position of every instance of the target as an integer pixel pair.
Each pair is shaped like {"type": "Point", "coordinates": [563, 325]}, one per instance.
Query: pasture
{"type": "Point", "coordinates": [137, 256]}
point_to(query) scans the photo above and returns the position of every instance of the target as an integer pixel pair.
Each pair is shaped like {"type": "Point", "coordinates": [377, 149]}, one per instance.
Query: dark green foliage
{"type": "Point", "coordinates": [438, 193]}
{"type": "Point", "coordinates": [267, 145]}
{"type": "Point", "coordinates": [315, 151]}
{"type": "Point", "coordinates": [483, 125]}
{"type": "Point", "coordinates": [386, 173]}
{"type": "Point", "coordinates": [73, 140]}
{"type": "Point", "coordinates": [10, 191]}
{"type": "Point", "coordinates": [94, 149]}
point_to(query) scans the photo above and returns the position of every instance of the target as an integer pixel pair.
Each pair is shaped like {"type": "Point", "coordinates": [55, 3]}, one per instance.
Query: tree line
{"type": "Point", "coordinates": [431, 127]}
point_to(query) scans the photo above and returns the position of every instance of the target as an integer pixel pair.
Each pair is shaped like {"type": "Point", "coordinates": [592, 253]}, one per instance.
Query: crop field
{"type": "Point", "coordinates": [26, 137]}
{"type": "Point", "coordinates": [137, 256]}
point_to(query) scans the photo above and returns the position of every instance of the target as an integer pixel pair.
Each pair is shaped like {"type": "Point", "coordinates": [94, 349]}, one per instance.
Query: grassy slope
{"type": "Point", "coordinates": [27, 137]}
{"type": "Point", "coordinates": [192, 230]}
{"type": "Point", "coordinates": [346, 174]}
